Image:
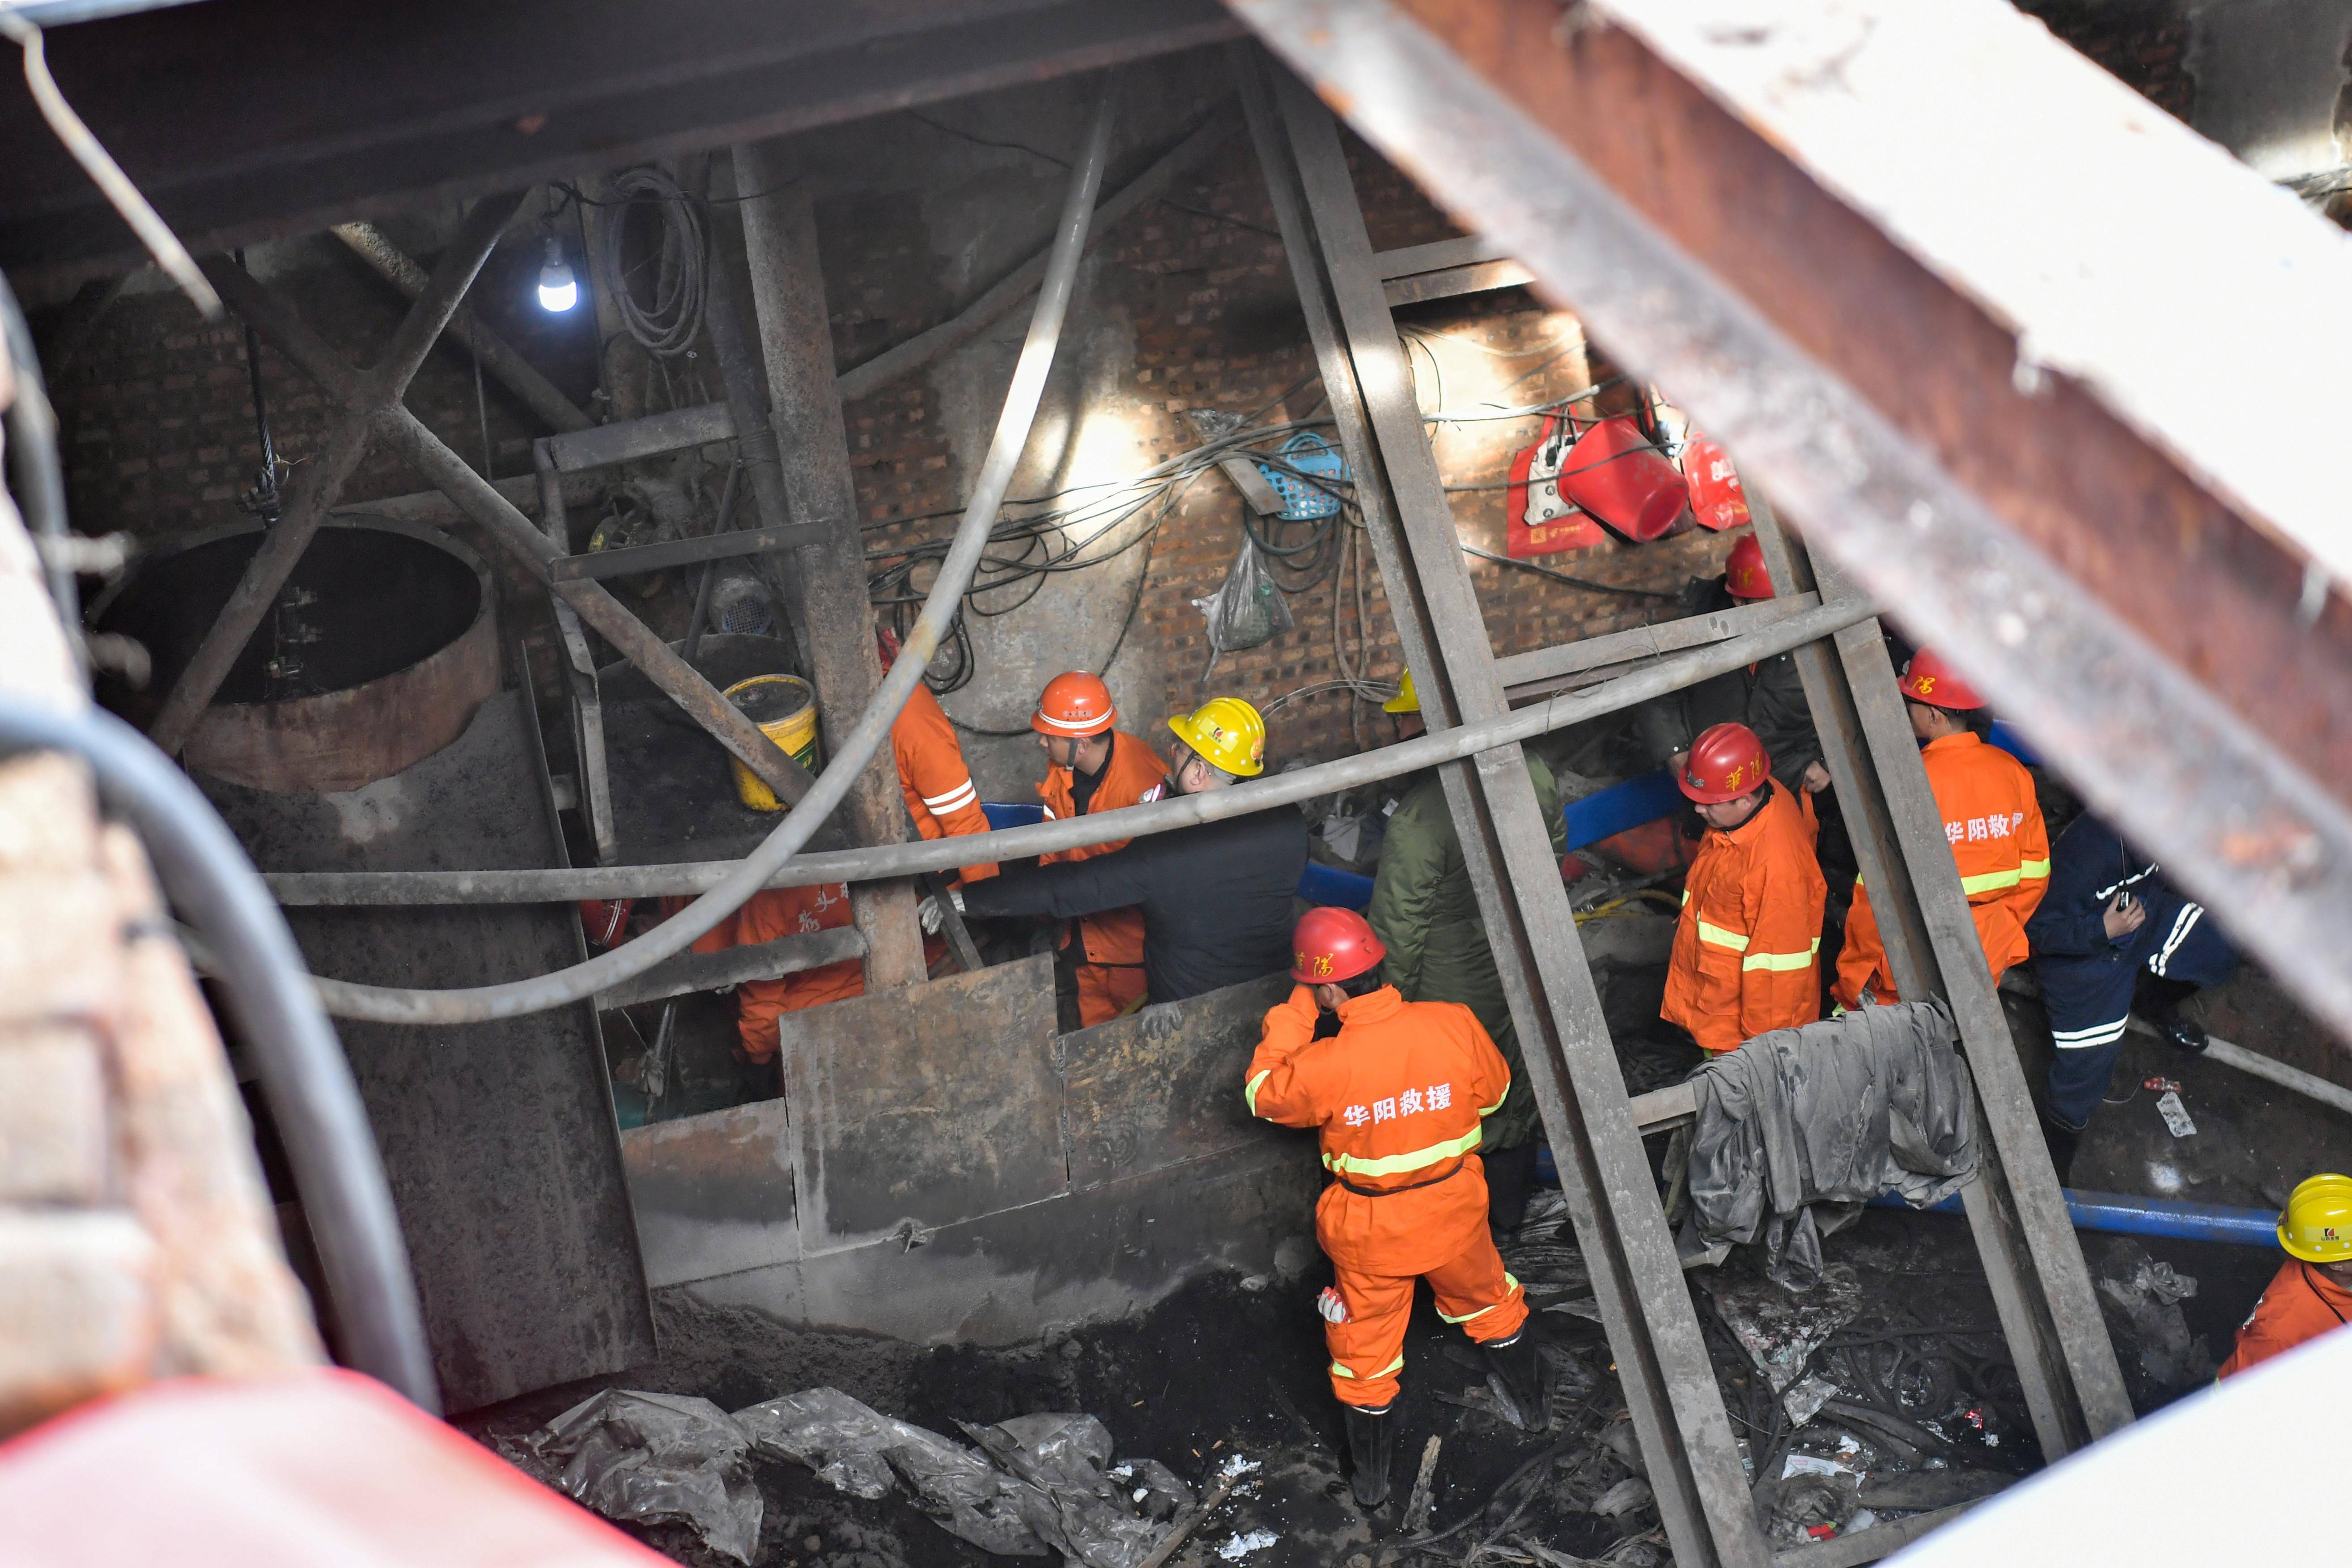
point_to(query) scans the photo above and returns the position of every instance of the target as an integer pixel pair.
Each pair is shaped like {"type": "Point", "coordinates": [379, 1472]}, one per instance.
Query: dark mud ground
{"type": "Point", "coordinates": [1227, 1366]}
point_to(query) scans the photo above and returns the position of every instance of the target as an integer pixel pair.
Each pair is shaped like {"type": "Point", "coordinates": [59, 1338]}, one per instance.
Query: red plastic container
{"type": "Point", "coordinates": [1716, 496]}
{"type": "Point", "coordinates": [1613, 473]}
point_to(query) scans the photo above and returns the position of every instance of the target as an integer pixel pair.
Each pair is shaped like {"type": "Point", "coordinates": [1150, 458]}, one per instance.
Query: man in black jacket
{"type": "Point", "coordinates": [1216, 897]}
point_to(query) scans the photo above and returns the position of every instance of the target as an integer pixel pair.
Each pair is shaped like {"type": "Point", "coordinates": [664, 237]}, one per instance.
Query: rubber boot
{"type": "Point", "coordinates": [2062, 1141]}
{"type": "Point", "coordinates": [2159, 1000]}
{"type": "Point", "coordinates": [1514, 1374]}
{"type": "Point", "coordinates": [1371, 1434]}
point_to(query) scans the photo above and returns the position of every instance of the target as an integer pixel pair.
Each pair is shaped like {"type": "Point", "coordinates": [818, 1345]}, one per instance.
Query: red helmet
{"type": "Point", "coordinates": [1074, 705]}
{"type": "Point", "coordinates": [1331, 945]}
{"type": "Point", "coordinates": [1725, 763]}
{"type": "Point", "coordinates": [1744, 576]}
{"type": "Point", "coordinates": [1928, 679]}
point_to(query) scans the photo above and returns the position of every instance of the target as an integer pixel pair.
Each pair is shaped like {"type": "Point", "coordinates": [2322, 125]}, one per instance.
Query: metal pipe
{"type": "Point", "coordinates": [394, 1004]}
{"type": "Point", "coordinates": [2121, 1214]}
{"type": "Point", "coordinates": [401, 888]}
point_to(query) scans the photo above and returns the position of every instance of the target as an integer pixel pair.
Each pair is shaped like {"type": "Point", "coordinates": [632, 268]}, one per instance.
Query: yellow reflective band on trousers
{"type": "Point", "coordinates": [1783, 962]}
{"type": "Point", "coordinates": [1250, 1094]}
{"type": "Point", "coordinates": [1394, 1164]}
{"type": "Point", "coordinates": [1396, 1366]}
{"type": "Point", "coordinates": [1721, 938]}
{"type": "Point", "coordinates": [1510, 1284]}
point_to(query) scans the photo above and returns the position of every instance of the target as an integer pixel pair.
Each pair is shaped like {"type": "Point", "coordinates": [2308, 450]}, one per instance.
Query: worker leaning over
{"type": "Point", "coordinates": [1991, 821]}
{"type": "Point", "coordinates": [1397, 1095]}
{"type": "Point", "coordinates": [1748, 945]}
{"type": "Point", "coordinates": [2311, 1295]}
{"type": "Point", "coordinates": [2110, 938]}
{"type": "Point", "coordinates": [940, 796]}
{"type": "Point", "coordinates": [1426, 915]}
{"type": "Point", "coordinates": [1215, 896]}
{"type": "Point", "coordinates": [1091, 766]}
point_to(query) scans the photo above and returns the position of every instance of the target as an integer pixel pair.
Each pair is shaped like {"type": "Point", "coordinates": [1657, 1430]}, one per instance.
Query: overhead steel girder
{"type": "Point", "coordinates": [1977, 442]}
{"type": "Point", "coordinates": [252, 120]}
{"type": "Point", "coordinates": [1645, 1306]}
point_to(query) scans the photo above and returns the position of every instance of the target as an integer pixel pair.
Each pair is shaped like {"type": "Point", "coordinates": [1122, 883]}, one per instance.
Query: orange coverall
{"type": "Point", "coordinates": [1110, 978]}
{"type": "Point", "coordinates": [1747, 953]}
{"type": "Point", "coordinates": [1993, 822]}
{"type": "Point", "coordinates": [931, 769]}
{"type": "Point", "coordinates": [2300, 1302]}
{"type": "Point", "coordinates": [1398, 1094]}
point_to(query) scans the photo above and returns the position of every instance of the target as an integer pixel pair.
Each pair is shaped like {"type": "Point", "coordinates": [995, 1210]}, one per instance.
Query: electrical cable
{"type": "Point", "coordinates": [401, 1005]}
{"type": "Point", "coordinates": [325, 1130]}
{"type": "Point", "coordinates": [669, 326]}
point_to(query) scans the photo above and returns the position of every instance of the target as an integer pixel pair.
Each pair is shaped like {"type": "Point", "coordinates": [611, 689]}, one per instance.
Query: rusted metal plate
{"type": "Point", "coordinates": [925, 1105]}
{"type": "Point", "coordinates": [713, 1193]}
{"type": "Point", "coordinates": [1164, 1084]}
{"type": "Point", "coordinates": [499, 1139]}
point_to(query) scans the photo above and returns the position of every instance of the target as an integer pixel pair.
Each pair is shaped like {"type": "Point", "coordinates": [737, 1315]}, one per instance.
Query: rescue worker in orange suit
{"type": "Point", "coordinates": [2311, 1295]}
{"type": "Point", "coordinates": [1091, 766]}
{"type": "Point", "coordinates": [1747, 952]}
{"type": "Point", "coordinates": [1397, 1094]}
{"type": "Point", "coordinates": [940, 796]}
{"type": "Point", "coordinates": [1992, 820]}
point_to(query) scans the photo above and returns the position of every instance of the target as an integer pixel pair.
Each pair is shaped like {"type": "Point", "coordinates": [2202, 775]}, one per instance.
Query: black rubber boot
{"type": "Point", "coordinates": [2159, 1003]}
{"type": "Point", "coordinates": [2062, 1141]}
{"type": "Point", "coordinates": [1510, 1182]}
{"type": "Point", "coordinates": [1371, 1434]}
{"type": "Point", "coordinates": [1514, 1373]}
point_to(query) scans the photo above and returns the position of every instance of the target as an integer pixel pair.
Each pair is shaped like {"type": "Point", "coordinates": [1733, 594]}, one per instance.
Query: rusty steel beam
{"type": "Point", "coordinates": [2176, 657]}
{"type": "Point", "coordinates": [321, 484]}
{"type": "Point", "coordinates": [482, 503]}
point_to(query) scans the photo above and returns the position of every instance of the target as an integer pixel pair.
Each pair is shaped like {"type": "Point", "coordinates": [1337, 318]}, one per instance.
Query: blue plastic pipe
{"type": "Point", "coordinates": [2122, 1215]}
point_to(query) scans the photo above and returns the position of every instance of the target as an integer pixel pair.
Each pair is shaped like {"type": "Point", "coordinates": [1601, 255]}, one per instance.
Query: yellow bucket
{"type": "Point", "coordinates": [784, 708]}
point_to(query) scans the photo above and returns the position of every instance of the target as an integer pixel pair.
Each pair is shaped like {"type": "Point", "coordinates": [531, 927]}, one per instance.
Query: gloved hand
{"type": "Point", "coordinates": [932, 916]}
{"type": "Point", "coordinates": [1333, 1307]}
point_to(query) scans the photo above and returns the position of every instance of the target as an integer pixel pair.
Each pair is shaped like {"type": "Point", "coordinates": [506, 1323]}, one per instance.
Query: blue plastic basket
{"type": "Point", "coordinates": [1309, 454]}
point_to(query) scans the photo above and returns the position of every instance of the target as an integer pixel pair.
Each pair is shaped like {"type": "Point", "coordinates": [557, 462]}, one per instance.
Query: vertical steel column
{"type": "Point", "coordinates": [2066, 1363]}
{"type": "Point", "coordinates": [1644, 1301]}
{"type": "Point", "coordinates": [810, 446]}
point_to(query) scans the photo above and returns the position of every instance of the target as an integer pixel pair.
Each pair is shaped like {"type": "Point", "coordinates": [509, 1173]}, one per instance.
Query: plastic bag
{"type": "Point", "coordinates": [1247, 609]}
{"type": "Point", "coordinates": [863, 1452]}
{"type": "Point", "coordinates": [656, 1459]}
{"type": "Point", "coordinates": [1069, 1498]}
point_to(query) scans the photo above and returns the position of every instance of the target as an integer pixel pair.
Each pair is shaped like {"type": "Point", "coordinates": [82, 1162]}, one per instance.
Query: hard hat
{"type": "Point", "coordinates": [1333, 944]}
{"type": "Point", "coordinates": [1073, 705]}
{"type": "Point", "coordinates": [1226, 733]}
{"type": "Point", "coordinates": [1725, 763]}
{"type": "Point", "coordinates": [2317, 1224]}
{"type": "Point", "coordinates": [1928, 679]}
{"type": "Point", "coordinates": [1744, 576]}
{"type": "Point", "coordinates": [1406, 701]}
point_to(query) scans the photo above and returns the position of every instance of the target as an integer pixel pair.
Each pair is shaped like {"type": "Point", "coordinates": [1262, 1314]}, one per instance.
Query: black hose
{"type": "Point", "coordinates": [207, 877]}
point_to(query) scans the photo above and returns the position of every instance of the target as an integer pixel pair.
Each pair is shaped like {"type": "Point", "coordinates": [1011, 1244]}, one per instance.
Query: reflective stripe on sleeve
{"type": "Point", "coordinates": [2034, 869]}
{"type": "Point", "coordinates": [1395, 1164]}
{"type": "Point", "coordinates": [1490, 1110]}
{"type": "Point", "coordinates": [963, 794]}
{"type": "Point", "coordinates": [1783, 962]}
{"type": "Point", "coordinates": [1250, 1094]}
{"type": "Point", "coordinates": [1987, 881]}
{"type": "Point", "coordinates": [1719, 937]}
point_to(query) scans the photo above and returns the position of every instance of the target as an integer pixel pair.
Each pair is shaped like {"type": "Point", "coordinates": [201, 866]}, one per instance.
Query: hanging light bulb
{"type": "Point", "coordinates": [558, 290]}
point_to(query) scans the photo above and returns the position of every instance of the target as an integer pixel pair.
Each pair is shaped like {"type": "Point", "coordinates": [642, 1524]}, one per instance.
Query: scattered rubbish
{"type": "Point", "coordinates": [865, 1453]}
{"type": "Point", "coordinates": [2176, 1115]}
{"type": "Point", "coordinates": [1813, 1505]}
{"type": "Point", "coordinates": [656, 1459]}
{"type": "Point", "coordinates": [1813, 1465]}
{"type": "Point", "coordinates": [1190, 1521]}
{"type": "Point", "coordinates": [1864, 1518]}
{"type": "Point", "coordinates": [1066, 1497]}
{"type": "Point", "coordinates": [1627, 1495]}
{"type": "Point", "coordinates": [2141, 1300]}
{"type": "Point", "coordinates": [1240, 1546]}
{"type": "Point", "coordinates": [1237, 1465]}
{"type": "Point", "coordinates": [1803, 1399]}
{"type": "Point", "coordinates": [2162, 1085]}
{"type": "Point", "coordinates": [1417, 1504]}
{"type": "Point", "coordinates": [1778, 1329]}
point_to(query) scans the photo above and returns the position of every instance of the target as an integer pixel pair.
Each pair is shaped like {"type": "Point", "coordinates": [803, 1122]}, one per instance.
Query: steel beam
{"type": "Point", "coordinates": [2168, 650]}
{"type": "Point", "coordinates": [321, 484]}
{"type": "Point", "coordinates": [826, 582]}
{"type": "Point", "coordinates": [1669, 1382]}
{"type": "Point", "coordinates": [659, 557]}
{"type": "Point", "coordinates": [2066, 1363]}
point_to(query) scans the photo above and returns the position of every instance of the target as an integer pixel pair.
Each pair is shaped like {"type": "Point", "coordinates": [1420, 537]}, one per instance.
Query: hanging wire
{"type": "Point", "coordinates": [669, 325]}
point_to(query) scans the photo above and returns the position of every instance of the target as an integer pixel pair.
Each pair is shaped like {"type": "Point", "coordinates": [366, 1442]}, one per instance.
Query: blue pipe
{"type": "Point", "coordinates": [2124, 1214]}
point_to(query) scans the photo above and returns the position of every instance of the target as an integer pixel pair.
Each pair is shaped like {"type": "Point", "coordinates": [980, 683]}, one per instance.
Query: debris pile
{"type": "Point", "coordinates": [652, 1458]}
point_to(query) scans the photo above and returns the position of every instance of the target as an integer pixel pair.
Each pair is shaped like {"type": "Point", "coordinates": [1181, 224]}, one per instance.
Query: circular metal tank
{"type": "Point", "coordinates": [376, 655]}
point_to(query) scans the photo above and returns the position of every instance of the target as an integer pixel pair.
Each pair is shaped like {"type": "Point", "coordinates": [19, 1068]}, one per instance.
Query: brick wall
{"type": "Point", "coordinates": [2144, 44]}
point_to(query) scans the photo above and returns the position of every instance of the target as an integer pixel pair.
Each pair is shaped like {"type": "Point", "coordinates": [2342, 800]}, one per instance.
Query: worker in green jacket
{"type": "Point", "coordinates": [1424, 911]}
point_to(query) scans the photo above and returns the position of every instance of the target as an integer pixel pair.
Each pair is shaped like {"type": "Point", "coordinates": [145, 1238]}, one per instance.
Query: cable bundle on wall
{"type": "Point", "coordinates": [681, 258]}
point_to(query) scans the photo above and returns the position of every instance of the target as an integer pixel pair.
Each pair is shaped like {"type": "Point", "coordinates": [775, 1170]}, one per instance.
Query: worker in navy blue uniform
{"type": "Point", "coordinates": [2111, 935]}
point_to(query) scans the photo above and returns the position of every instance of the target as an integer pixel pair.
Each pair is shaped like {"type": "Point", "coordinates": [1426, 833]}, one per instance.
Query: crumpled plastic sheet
{"type": "Point", "coordinates": [652, 1459]}
{"type": "Point", "coordinates": [857, 1449]}
{"type": "Point", "coordinates": [1069, 1498]}
{"type": "Point", "coordinates": [1038, 1483]}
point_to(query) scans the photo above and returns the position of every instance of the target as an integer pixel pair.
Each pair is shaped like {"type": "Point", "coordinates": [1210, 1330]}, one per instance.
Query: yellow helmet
{"type": "Point", "coordinates": [1227, 734]}
{"type": "Point", "coordinates": [2317, 1224]}
{"type": "Point", "coordinates": [1406, 701]}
